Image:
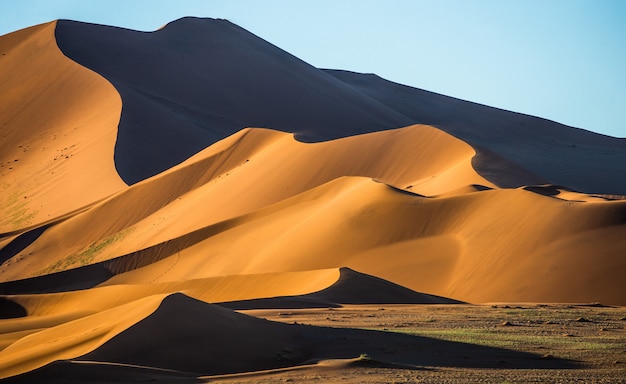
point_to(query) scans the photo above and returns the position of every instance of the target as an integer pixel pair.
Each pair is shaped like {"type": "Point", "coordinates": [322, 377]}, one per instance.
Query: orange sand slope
{"type": "Point", "coordinates": [257, 219]}
{"type": "Point", "coordinates": [58, 122]}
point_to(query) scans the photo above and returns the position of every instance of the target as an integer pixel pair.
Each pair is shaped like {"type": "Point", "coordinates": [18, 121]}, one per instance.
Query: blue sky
{"type": "Point", "coordinates": [564, 60]}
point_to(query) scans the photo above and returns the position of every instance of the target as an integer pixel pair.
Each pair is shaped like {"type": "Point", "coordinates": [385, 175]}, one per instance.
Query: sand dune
{"type": "Point", "coordinates": [350, 288]}
{"type": "Point", "coordinates": [238, 80]}
{"type": "Point", "coordinates": [419, 247]}
{"type": "Point", "coordinates": [71, 338]}
{"type": "Point", "coordinates": [80, 321]}
{"type": "Point", "coordinates": [59, 122]}
{"type": "Point", "coordinates": [246, 172]}
{"type": "Point", "coordinates": [446, 245]}
{"type": "Point", "coordinates": [236, 174]}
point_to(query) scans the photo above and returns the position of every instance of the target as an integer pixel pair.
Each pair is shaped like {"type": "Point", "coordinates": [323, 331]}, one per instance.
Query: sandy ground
{"type": "Point", "coordinates": [588, 342]}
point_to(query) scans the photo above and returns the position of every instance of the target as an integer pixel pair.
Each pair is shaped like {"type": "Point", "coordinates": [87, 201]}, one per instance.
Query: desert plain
{"type": "Point", "coordinates": [194, 204]}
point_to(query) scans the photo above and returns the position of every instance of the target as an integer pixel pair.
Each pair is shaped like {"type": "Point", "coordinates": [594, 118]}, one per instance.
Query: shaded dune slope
{"type": "Point", "coordinates": [577, 158]}
{"type": "Point", "coordinates": [197, 81]}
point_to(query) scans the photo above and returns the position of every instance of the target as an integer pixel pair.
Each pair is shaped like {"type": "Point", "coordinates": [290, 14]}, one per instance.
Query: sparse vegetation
{"type": "Point", "coordinates": [364, 357]}
{"type": "Point", "coordinates": [494, 337]}
{"type": "Point", "coordinates": [16, 213]}
{"type": "Point", "coordinates": [548, 332]}
{"type": "Point", "coordinates": [87, 255]}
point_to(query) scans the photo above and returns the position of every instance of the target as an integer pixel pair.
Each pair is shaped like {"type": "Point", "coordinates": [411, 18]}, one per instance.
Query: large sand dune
{"type": "Point", "coordinates": [238, 80]}
{"type": "Point", "coordinates": [147, 176]}
{"type": "Point", "coordinates": [59, 123]}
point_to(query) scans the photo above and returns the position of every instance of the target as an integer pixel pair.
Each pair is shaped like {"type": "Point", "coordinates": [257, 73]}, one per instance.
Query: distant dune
{"type": "Point", "coordinates": [582, 160]}
{"type": "Point", "coordinates": [199, 168]}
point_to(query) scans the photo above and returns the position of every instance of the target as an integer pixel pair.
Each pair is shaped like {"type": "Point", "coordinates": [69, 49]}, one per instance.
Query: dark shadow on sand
{"type": "Point", "coordinates": [21, 242]}
{"type": "Point", "coordinates": [10, 309]}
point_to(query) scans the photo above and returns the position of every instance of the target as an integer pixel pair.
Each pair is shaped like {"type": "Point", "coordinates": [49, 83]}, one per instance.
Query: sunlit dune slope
{"type": "Point", "coordinates": [446, 246]}
{"type": "Point", "coordinates": [260, 201]}
{"type": "Point", "coordinates": [579, 159]}
{"type": "Point", "coordinates": [243, 173]}
{"type": "Point", "coordinates": [58, 123]}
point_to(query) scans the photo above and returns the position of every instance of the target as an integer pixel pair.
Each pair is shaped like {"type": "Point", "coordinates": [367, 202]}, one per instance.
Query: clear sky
{"type": "Point", "coordinates": [564, 60]}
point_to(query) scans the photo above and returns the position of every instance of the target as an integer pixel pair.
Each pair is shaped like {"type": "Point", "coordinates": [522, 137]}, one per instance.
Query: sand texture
{"type": "Point", "coordinates": [161, 193]}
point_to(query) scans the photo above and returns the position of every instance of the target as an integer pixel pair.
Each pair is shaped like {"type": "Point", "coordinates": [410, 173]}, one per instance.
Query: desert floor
{"type": "Point", "coordinates": [556, 343]}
